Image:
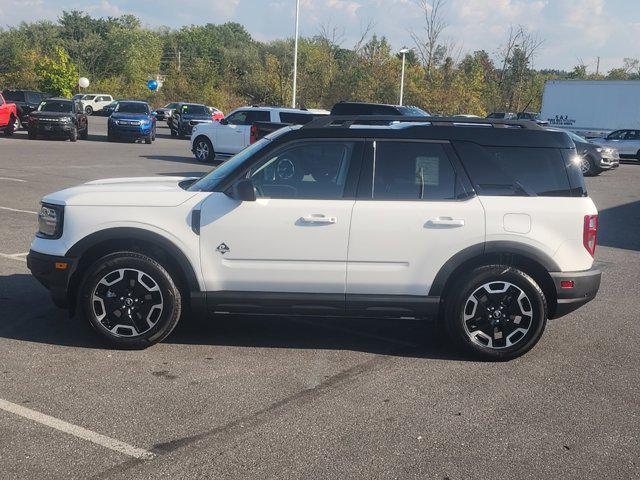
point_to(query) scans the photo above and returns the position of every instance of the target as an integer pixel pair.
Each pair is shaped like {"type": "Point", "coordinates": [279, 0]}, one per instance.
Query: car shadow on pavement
{"type": "Point", "coordinates": [29, 316]}
{"type": "Point", "coordinates": [174, 158]}
{"type": "Point", "coordinates": [619, 226]}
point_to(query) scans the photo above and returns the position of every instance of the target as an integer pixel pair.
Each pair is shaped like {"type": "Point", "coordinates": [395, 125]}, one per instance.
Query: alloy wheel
{"type": "Point", "coordinates": [498, 315]}
{"type": "Point", "coordinates": [127, 302]}
{"type": "Point", "coordinates": [202, 150]}
{"type": "Point", "coordinates": [585, 165]}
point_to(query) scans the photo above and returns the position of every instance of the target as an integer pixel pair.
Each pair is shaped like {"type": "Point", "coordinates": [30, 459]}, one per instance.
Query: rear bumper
{"type": "Point", "coordinates": [585, 287]}
{"type": "Point", "coordinates": [49, 271]}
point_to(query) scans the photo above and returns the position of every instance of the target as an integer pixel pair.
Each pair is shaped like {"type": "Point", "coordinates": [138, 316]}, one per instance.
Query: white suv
{"type": "Point", "coordinates": [489, 230]}
{"type": "Point", "coordinates": [95, 102]}
{"type": "Point", "coordinates": [233, 133]}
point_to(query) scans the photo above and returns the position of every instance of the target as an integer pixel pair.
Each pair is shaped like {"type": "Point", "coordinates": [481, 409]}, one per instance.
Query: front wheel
{"type": "Point", "coordinates": [73, 134]}
{"type": "Point", "coordinates": [10, 128]}
{"type": "Point", "coordinates": [130, 300]}
{"type": "Point", "coordinates": [32, 134]}
{"type": "Point", "coordinates": [17, 124]}
{"type": "Point", "coordinates": [88, 110]}
{"type": "Point", "coordinates": [85, 133]}
{"type": "Point", "coordinates": [204, 150]}
{"type": "Point", "coordinates": [587, 166]}
{"type": "Point", "coordinates": [496, 312]}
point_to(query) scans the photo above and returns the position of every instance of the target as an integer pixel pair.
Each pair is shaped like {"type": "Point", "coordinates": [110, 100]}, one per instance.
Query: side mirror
{"type": "Point", "coordinates": [224, 121]}
{"type": "Point", "coordinates": [243, 190]}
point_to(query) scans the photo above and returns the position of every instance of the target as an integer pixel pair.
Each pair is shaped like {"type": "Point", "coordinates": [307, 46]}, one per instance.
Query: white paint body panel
{"type": "Point", "coordinates": [395, 248]}
{"type": "Point", "coordinates": [556, 226]}
{"type": "Point", "coordinates": [270, 248]}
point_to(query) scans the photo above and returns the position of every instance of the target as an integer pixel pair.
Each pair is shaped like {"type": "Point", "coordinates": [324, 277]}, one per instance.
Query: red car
{"type": "Point", "coordinates": [8, 115]}
{"type": "Point", "coordinates": [216, 115]}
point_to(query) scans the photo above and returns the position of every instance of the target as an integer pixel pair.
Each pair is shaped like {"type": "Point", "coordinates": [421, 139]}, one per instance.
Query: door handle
{"type": "Point", "coordinates": [446, 222]}
{"type": "Point", "coordinates": [318, 218]}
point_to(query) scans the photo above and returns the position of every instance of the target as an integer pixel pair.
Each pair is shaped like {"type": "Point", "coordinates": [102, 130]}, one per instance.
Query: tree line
{"type": "Point", "coordinates": [223, 66]}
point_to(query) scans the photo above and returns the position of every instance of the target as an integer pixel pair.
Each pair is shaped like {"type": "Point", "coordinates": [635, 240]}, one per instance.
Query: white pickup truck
{"type": "Point", "coordinates": [233, 133]}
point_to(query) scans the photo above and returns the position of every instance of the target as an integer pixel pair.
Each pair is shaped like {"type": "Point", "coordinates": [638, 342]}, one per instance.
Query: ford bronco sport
{"type": "Point", "coordinates": [484, 225]}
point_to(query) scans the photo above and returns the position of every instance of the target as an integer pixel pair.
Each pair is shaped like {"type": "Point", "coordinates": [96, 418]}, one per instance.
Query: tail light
{"type": "Point", "coordinates": [590, 233]}
{"type": "Point", "coordinates": [253, 133]}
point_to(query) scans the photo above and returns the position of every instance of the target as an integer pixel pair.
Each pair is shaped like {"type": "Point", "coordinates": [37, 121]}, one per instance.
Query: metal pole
{"type": "Point", "coordinates": [295, 57]}
{"type": "Point", "coordinates": [402, 78]}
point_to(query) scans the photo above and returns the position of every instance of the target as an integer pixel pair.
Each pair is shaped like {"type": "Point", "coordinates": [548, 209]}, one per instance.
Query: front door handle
{"type": "Point", "coordinates": [446, 222]}
{"type": "Point", "coordinates": [318, 218]}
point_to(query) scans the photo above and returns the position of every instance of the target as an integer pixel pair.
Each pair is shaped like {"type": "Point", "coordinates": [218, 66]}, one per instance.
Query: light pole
{"type": "Point", "coordinates": [295, 57]}
{"type": "Point", "coordinates": [404, 52]}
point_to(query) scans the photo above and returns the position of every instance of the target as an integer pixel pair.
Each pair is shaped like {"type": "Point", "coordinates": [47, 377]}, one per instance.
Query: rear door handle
{"type": "Point", "coordinates": [318, 218]}
{"type": "Point", "coordinates": [446, 222]}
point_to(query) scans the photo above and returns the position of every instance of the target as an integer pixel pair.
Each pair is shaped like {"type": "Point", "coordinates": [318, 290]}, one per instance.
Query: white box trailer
{"type": "Point", "coordinates": [592, 108]}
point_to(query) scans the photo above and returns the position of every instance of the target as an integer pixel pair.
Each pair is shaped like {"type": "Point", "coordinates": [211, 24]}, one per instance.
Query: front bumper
{"type": "Point", "coordinates": [51, 129]}
{"type": "Point", "coordinates": [54, 273]}
{"type": "Point", "coordinates": [585, 287]}
{"type": "Point", "coordinates": [130, 132]}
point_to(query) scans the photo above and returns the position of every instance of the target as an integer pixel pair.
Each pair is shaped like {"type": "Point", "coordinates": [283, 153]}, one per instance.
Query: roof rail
{"type": "Point", "coordinates": [346, 121]}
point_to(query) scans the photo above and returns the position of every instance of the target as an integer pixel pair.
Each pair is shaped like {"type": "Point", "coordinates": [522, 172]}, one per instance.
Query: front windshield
{"type": "Point", "coordinates": [171, 105]}
{"type": "Point", "coordinates": [210, 181]}
{"type": "Point", "coordinates": [132, 107]}
{"type": "Point", "coordinates": [577, 138]}
{"type": "Point", "coordinates": [77, 96]}
{"type": "Point", "coordinates": [56, 106]}
{"type": "Point", "coordinates": [413, 111]}
{"type": "Point", "coordinates": [194, 110]}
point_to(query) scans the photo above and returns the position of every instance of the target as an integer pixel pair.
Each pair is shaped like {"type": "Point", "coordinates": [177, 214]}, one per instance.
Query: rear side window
{"type": "Point", "coordinates": [413, 171]}
{"type": "Point", "coordinates": [515, 171]}
{"type": "Point", "coordinates": [258, 116]}
{"type": "Point", "coordinates": [13, 96]}
{"type": "Point", "coordinates": [295, 118]}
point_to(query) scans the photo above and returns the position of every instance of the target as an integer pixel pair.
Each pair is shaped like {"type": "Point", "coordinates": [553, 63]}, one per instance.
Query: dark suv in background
{"type": "Point", "coordinates": [61, 118]}
{"type": "Point", "coordinates": [26, 101]}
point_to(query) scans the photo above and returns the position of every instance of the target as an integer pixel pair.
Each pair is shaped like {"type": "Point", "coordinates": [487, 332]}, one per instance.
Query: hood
{"type": "Point", "coordinates": [40, 113]}
{"type": "Point", "coordinates": [120, 192]}
{"type": "Point", "coordinates": [130, 116]}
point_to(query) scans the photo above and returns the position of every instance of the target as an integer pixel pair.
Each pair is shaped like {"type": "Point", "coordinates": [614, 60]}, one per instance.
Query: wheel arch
{"type": "Point", "coordinates": [530, 260]}
{"type": "Point", "coordinates": [103, 242]}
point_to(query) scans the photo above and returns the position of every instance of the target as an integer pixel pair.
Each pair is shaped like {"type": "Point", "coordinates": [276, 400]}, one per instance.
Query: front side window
{"type": "Point", "coordinates": [309, 170]}
{"type": "Point", "coordinates": [238, 118]}
{"type": "Point", "coordinates": [413, 171]}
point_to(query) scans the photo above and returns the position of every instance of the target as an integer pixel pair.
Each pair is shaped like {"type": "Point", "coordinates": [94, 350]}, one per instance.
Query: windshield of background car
{"type": "Point", "coordinates": [194, 110]}
{"type": "Point", "coordinates": [10, 96]}
{"type": "Point", "coordinates": [132, 107]}
{"type": "Point", "coordinates": [211, 180]}
{"type": "Point", "coordinates": [88, 97]}
{"type": "Point", "coordinates": [56, 106]}
{"type": "Point", "coordinates": [577, 138]}
{"type": "Point", "coordinates": [171, 105]}
{"type": "Point", "coordinates": [413, 112]}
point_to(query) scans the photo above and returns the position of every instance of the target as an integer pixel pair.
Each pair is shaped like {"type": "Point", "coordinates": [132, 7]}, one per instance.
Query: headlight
{"type": "Point", "coordinates": [145, 122]}
{"type": "Point", "coordinates": [65, 119]}
{"type": "Point", "coordinates": [599, 149]}
{"type": "Point", "coordinates": [50, 221]}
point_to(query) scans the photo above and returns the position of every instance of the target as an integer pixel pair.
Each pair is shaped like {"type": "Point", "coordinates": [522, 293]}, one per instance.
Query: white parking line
{"type": "Point", "coordinates": [9, 179]}
{"type": "Point", "coordinates": [15, 256]}
{"type": "Point", "coordinates": [76, 431]}
{"type": "Point", "coordinates": [18, 210]}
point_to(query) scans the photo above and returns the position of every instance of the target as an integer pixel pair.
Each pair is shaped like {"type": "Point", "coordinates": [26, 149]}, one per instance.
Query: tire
{"type": "Point", "coordinates": [73, 134]}
{"type": "Point", "coordinates": [85, 133]}
{"type": "Point", "coordinates": [204, 150]}
{"type": "Point", "coordinates": [153, 135]}
{"type": "Point", "coordinates": [130, 300]}
{"type": "Point", "coordinates": [174, 133]}
{"type": "Point", "coordinates": [31, 133]}
{"type": "Point", "coordinates": [9, 129]}
{"type": "Point", "coordinates": [587, 166]}
{"type": "Point", "coordinates": [148, 140]}
{"type": "Point", "coordinates": [88, 110]}
{"type": "Point", "coordinates": [638, 155]}
{"type": "Point", "coordinates": [501, 300]}
{"type": "Point", "coordinates": [17, 124]}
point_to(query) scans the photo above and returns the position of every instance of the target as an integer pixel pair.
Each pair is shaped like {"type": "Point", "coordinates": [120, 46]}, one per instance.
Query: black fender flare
{"type": "Point", "coordinates": [132, 233]}
{"type": "Point", "coordinates": [489, 248]}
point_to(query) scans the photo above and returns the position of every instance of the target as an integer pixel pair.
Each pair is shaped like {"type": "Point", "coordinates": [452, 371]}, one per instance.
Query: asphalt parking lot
{"type": "Point", "coordinates": [269, 397]}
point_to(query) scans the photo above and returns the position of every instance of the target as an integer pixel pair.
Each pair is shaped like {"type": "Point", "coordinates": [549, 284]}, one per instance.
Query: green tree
{"type": "Point", "coordinates": [56, 74]}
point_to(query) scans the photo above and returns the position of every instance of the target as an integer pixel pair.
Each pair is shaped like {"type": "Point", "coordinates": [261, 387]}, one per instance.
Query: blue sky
{"type": "Point", "coordinates": [573, 30]}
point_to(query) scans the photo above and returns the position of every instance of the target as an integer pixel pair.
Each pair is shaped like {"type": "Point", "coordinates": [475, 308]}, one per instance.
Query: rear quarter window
{"type": "Point", "coordinates": [519, 171]}
{"type": "Point", "coordinates": [295, 118]}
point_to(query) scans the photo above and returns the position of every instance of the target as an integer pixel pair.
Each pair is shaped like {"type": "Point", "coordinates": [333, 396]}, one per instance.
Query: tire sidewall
{"type": "Point", "coordinates": [172, 301]}
{"type": "Point", "coordinates": [463, 289]}
{"type": "Point", "coordinates": [210, 155]}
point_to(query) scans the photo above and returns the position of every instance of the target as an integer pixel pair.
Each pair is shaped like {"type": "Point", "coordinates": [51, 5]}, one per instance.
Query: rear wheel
{"type": "Point", "coordinates": [130, 300]}
{"type": "Point", "coordinates": [88, 110]}
{"type": "Point", "coordinates": [204, 150]}
{"type": "Point", "coordinates": [496, 312]}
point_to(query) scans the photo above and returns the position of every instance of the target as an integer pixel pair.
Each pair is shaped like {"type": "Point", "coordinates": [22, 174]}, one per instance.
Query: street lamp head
{"type": "Point", "coordinates": [405, 50]}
